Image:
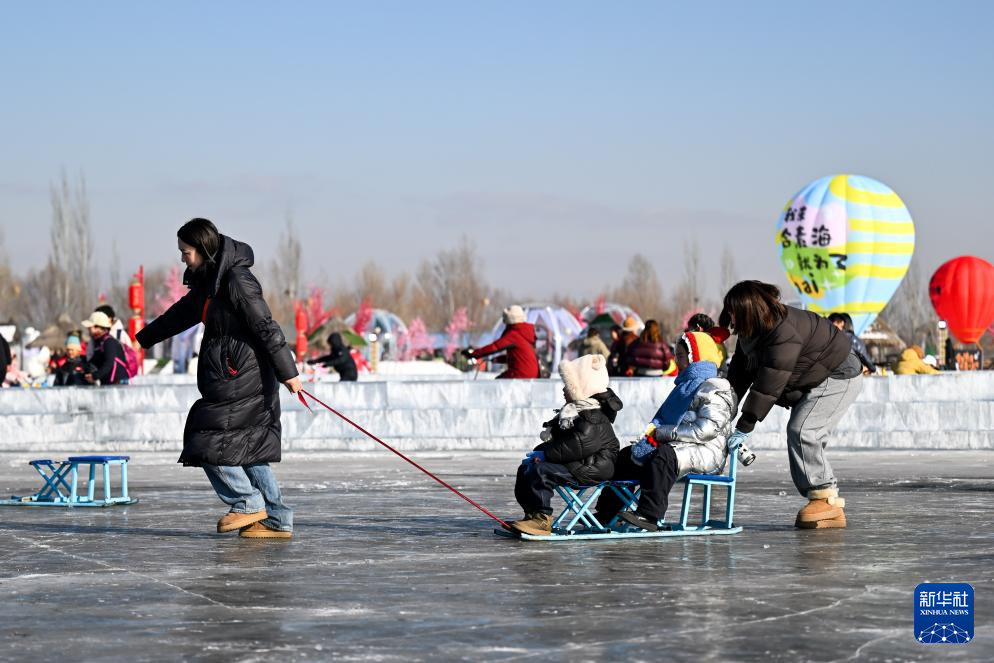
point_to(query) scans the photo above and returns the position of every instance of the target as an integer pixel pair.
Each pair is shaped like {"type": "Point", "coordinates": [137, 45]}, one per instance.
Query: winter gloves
{"type": "Point", "coordinates": [737, 440]}
{"type": "Point", "coordinates": [643, 450]}
{"type": "Point", "coordinates": [533, 457]}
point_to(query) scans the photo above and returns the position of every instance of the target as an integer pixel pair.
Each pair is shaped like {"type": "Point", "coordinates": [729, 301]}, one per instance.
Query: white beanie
{"type": "Point", "coordinates": [585, 376]}
{"type": "Point", "coordinates": [513, 315]}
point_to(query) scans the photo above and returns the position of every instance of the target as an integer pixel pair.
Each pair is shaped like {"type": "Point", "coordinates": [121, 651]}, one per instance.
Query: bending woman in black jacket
{"type": "Point", "coordinates": [798, 360]}
{"type": "Point", "coordinates": [339, 359]}
{"type": "Point", "coordinates": [233, 431]}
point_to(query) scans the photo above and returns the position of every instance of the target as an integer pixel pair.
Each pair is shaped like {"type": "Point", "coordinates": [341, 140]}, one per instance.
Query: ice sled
{"type": "Point", "coordinates": [61, 483]}
{"type": "Point", "coordinates": [577, 521]}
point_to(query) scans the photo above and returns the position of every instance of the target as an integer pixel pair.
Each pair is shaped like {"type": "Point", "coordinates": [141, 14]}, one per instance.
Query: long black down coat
{"type": "Point", "coordinates": [779, 367]}
{"type": "Point", "coordinates": [243, 359]}
{"type": "Point", "coordinates": [589, 448]}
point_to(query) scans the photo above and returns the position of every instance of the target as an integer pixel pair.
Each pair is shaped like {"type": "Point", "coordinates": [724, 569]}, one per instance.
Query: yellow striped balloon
{"type": "Point", "coordinates": [846, 242]}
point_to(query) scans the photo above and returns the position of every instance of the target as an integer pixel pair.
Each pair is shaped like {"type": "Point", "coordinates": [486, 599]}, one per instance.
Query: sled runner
{"type": "Point", "coordinates": [61, 483]}
{"type": "Point", "coordinates": [578, 522]}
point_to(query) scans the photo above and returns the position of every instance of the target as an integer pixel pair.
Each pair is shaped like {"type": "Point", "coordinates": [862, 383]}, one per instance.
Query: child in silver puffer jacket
{"type": "Point", "coordinates": [687, 435]}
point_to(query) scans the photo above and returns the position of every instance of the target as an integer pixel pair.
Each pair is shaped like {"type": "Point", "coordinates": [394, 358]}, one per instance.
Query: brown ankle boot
{"type": "Point", "coordinates": [536, 524]}
{"type": "Point", "coordinates": [260, 531]}
{"type": "Point", "coordinates": [232, 521]}
{"type": "Point", "coordinates": [828, 523]}
{"type": "Point", "coordinates": [823, 510]}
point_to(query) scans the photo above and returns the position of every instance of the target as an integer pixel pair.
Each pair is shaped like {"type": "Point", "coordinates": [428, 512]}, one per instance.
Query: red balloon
{"type": "Point", "coordinates": [962, 293]}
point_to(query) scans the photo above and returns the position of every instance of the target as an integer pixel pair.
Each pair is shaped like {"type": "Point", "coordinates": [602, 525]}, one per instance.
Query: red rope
{"type": "Point", "coordinates": [300, 395]}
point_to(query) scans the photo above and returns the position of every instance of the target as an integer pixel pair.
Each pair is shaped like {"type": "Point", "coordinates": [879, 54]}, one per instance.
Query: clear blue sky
{"type": "Point", "coordinates": [561, 136]}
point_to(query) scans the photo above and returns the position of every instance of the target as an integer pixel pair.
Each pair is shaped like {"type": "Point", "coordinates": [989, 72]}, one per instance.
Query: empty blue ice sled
{"type": "Point", "coordinates": [61, 483]}
{"type": "Point", "coordinates": [578, 522]}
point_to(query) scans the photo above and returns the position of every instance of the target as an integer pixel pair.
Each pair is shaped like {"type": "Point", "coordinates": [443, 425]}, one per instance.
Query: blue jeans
{"type": "Point", "coordinates": [250, 489]}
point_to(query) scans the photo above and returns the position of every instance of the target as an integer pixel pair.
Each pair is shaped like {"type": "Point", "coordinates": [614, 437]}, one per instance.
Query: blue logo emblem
{"type": "Point", "coordinates": [943, 613]}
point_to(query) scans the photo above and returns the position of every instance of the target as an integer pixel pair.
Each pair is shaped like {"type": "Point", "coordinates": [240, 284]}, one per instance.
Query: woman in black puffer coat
{"type": "Point", "coordinates": [801, 361]}
{"type": "Point", "coordinates": [579, 445]}
{"type": "Point", "coordinates": [233, 431]}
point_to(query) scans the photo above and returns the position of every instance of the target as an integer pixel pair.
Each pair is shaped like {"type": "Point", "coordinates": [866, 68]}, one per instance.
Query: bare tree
{"type": "Point", "coordinates": [450, 281]}
{"type": "Point", "coordinates": [286, 274]}
{"type": "Point", "coordinates": [117, 286]}
{"type": "Point", "coordinates": [641, 289]}
{"type": "Point", "coordinates": [371, 284]}
{"type": "Point", "coordinates": [909, 312]}
{"type": "Point", "coordinates": [71, 260]}
{"type": "Point", "coordinates": [38, 306]}
{"type": "Point", "coordinates": [689, 297]}
{"type": "Point", "coordinates": [729, 272]}
{"type": "Point", "coordinates": [10, 287]}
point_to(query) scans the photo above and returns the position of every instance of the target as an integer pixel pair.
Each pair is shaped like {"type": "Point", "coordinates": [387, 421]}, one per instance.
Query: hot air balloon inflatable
{"type": "Point", "coordinates": [962, 293]}
{"type": "Point", "coordinates": [846, 242]}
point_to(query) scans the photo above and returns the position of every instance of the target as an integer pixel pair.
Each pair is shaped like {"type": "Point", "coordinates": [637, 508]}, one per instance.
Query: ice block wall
{"type": "Point", "coordinates": [951, 411]}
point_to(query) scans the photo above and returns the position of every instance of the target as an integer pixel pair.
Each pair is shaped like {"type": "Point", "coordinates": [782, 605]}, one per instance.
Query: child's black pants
{"type": "Point", "coordinates": [656, 477]}
{"type": "Point", "coordinates": [535, 485]}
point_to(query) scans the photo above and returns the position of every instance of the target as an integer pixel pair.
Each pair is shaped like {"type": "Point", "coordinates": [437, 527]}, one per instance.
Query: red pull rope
{"type": "Point", "coordinates": [300, 395]}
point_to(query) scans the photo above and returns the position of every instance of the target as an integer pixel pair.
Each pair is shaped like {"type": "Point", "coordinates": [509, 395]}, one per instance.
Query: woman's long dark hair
{"type": "Point", "coordinates": [756, 307]}
{"type": "Point", "coordinates": [844, 319]}
{"type": "Point", "coordinates": [202, 235]}
{"type": "Point", "coordinates": [652, 333]}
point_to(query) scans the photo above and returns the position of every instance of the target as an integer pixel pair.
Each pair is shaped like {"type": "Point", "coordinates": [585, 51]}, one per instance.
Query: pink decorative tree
{"type": "Point", "coordinates": [455, 329]}
{"type": "Point", "coordinates": [363, 316]}
{"type": "Point", "coordinates": [173, 290]}
{"type": "Point", "coordinates": [415, 341]}
{"type": "Point", "coordinates": [317, 314]}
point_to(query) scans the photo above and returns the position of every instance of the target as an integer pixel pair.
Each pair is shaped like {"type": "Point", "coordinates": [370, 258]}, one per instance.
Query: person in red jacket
{"type": "Point", "coordinates": [518, 340]}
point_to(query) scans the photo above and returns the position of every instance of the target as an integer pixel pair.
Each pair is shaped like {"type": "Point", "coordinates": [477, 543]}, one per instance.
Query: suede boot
{"type": "Point", "coordinates": [260, 531]}
{"type": "Point", "coordinates": [823, 510]}
{"type": "Point", "coordinates": [232, 521]}
{"type": "Point", "coordinates": [536, 524]}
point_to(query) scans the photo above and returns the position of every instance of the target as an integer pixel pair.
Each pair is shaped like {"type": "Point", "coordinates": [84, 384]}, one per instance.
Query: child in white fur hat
{"type": "Point", "coordinates": [578, 447]}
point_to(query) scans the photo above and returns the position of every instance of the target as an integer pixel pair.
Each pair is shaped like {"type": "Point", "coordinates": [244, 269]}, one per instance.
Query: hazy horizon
{"type": "Point", "coordinates": [561, 138]}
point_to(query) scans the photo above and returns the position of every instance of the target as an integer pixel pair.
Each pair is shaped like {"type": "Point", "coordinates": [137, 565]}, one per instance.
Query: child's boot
{"type": "Point", "coordinates": [536, 524]}
{"type": "Point", "coordinates": [824, 510]}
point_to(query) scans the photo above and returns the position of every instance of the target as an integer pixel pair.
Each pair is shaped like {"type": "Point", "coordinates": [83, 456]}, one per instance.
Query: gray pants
{"type": "Point", "coordinates": [811, 422]}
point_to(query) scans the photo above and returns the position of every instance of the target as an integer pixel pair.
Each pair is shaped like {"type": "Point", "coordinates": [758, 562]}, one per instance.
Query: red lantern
{"type": "Point", "coordinates": [135, 325]}
{"type": "Point", "coordinates": [136, 296]}
{"type": "Point", "coordinates": [300, 317]}
{"type": "Point", "coordinates": [962, 293]}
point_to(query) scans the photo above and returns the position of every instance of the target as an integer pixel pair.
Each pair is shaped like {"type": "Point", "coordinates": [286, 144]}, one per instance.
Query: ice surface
{"type": "Point", "coordinates": [388, 566]}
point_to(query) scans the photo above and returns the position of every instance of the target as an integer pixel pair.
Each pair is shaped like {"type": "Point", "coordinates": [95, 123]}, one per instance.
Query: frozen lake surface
{"type": "Point", "coordinates": [386, 565]}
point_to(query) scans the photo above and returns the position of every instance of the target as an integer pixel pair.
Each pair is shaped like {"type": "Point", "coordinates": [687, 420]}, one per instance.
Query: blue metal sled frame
{"type": "Point", "coordinates": [577, 522]}
{"type": "Point", "coordinates": [61, 483]}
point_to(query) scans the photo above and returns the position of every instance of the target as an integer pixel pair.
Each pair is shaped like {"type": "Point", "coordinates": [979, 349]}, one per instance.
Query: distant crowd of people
{"type": "Point", "coordinates": [104, 356]}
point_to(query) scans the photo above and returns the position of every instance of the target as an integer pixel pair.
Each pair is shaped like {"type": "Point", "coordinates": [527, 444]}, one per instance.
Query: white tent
{"type": "Point", "coordinates": [555, 329]}
{"type": "Point", "coordinates": [387, 326]}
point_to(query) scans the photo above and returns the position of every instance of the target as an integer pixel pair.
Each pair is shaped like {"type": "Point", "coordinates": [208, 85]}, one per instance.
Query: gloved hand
{"type": "Point", "coordinates": [664, 434]}
{"type": "Point", "coordinates": [643, 450]}
{"type": "Point", "coordinates": [468, 352]}
{"type": "Point", "coordinates": [533, 457]}
{"type": "Point", "coordinates": [736, 439]}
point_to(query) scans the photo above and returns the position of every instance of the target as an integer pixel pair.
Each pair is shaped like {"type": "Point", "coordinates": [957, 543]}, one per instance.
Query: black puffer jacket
{"type": "Point", "coordinates": [110, 365]}
{"type": "Point", "coordinates": [797, 355]}
{"type": "Point", "coordinates": [243, 359]}
{"type": "Point", "coordinates": [340, 359]}
{"type": "Point", "coordinates": [590, 448]}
